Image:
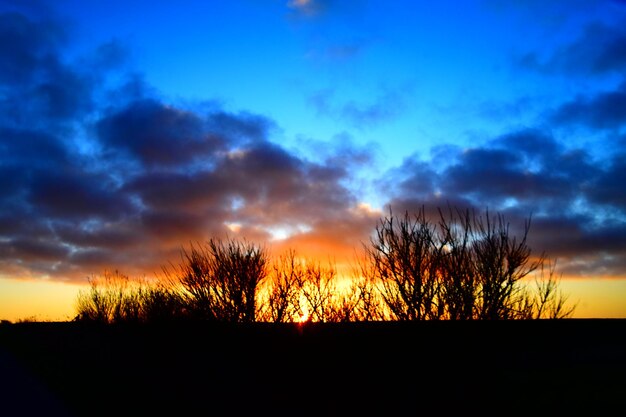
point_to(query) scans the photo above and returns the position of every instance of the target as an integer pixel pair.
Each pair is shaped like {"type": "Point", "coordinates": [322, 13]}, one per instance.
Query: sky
{"type": "Point", "coordinates": [129, 130]}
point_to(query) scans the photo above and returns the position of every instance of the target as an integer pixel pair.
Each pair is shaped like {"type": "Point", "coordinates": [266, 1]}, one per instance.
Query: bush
{"type": "Point", "coordinates": [115, 298]}
{"type": "Point", "coordinates": [464, 267]}
{"type": "Point", "coordinates": [220, 279]}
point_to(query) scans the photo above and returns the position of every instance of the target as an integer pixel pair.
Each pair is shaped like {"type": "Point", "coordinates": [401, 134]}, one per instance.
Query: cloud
{"type": "Point", "coordinates": [43, 88]}
{"type": "Point", "coordinates": [608, 187]}
{"type": "Point", "coordinates": [26, 47]}
{"type": "Point", "coordinates": [111, 175]}
{"type": "Point", "coordinates": [244, 126]}
{"type": "Point", "coordinates": [333, 52]}
{"type": "Point", "coordinates": [110, 55]}
{"type": "Point", "coordinates": [155, 134]}
{"type": "Point", "coordinates": [307, 7]}
{"type": "Point", "coordinates": [528, 166]}
{"type": "Point", "coordinates": [600, 49]}
{"type": "Point", "coordinates": [319, 8]}
{"type": "Point", "coordinates": [605, 110]}
{"type": "Point", "coordinates": [343, 152]}
{"type": "Point", "coordinates": [345, 51]}
{"type": "Point", "coordinates": [385, 107]}
{"type": "Point", "coordinates": [118, 177]}
{"type": "Point", "coordinates": [575, 201]}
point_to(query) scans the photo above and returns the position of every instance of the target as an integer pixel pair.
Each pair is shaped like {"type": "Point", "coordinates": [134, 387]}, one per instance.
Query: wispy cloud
{"type": "Point", "coordinates": [383, 108]}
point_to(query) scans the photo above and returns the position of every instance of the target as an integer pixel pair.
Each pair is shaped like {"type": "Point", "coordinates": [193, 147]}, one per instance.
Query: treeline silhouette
{"type": "Point", "coordinates": [464, 266]}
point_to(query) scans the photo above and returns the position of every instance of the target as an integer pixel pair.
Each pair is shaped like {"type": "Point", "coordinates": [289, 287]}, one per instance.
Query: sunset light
{"type": "Point", "coordinates": [132, 130]}
{"type": "Point", "coordinates": [305, 315]}
{"type": "Point", "coordinates": [312, 208]}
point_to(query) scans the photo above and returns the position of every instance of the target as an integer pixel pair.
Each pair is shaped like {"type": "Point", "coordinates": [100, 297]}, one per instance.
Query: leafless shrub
{"type": "Point", "coordinates": [459, 281]}
{"type": "Point", "coordinates": [111, 298]}
{"type": "Point", "coordinates": [161, 303]}
{"type": "Point", "coordinates": [318, 291]}
{"type": "Point", "coordinates": [220, 279]}
{"type": "Point", "coordinates": [306, 290]}
{"type": "Point", "coordinates": [403, 257]}
{"type": "Point", "coordinates": [282, 300]}
{"type": "Point", "coordinates": [549, 302]}
{"type": "Point", "coordinates": [464, 267]}
{"type": "Point", "coordinates": [501, 262]}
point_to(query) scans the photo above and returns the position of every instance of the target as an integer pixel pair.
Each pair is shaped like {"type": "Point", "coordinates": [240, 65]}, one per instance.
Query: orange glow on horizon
{"type": "Point", "coordinates": [37, 300]}
{"type": "Point", "coordinates": [48, 300]}
{"type": "Point", "coordinates": [596, 297]}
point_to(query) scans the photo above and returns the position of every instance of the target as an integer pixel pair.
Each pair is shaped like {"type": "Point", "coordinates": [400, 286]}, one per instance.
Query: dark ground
{"type": "Point", "coordinates": [564, 367]}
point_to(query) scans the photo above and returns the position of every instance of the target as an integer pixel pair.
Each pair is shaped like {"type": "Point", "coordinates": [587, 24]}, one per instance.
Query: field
{"type": "Point", "coordinates": [502, 368]}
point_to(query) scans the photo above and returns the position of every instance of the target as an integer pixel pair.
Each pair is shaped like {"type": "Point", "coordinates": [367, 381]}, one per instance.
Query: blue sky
{"type": "Point", "coordinates": [132, 128]}
{"type": "Point", "coordinates": [404, 77]}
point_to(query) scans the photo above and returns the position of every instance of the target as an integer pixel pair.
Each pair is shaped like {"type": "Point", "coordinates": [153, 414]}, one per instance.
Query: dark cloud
{"type": "Point", "coordinates": [576, 202]}
{"type": "Point", "coordinates": [600, 49]}
{"type": "Point", "coordinates": [343, 153]}
{"type": "Point", "coordinates": [27, 48]}
{"type": "Point", "coordinates": [586, 234]}
{"type": "Point", "coordinates": [523, 167]}
{"type": "Point", "coordinates": [110, 55]}
{"type": "Point", "coordinates": [25, 248]}
{"type": "Point", "coordinates": [44, 89]}
{"type": "Point", "coordinates": [171, 190]}
{"type": "Point", "coordinates": [241, 127]}
{"type": "Point", "coordinates": [414, 175]}
{"type": "Point", "coordinates": [267, 176]}
{"type": "Point", "coordinates": [527, 166]}
{"type": "Point", "coordinates": [118, 177]}
{"type": "Point", "coordinates": [156, 134]}
{"type": "Point", "coordinates": [114, 235]}
{"type": "Point", "coordinates": [608, 187]}
{"type": "Point", "coordinates": [606, 110]}
{"type": "Point", "coordinates": [31, 148]}
{"type": "Point", "coordinates": [75, 194]}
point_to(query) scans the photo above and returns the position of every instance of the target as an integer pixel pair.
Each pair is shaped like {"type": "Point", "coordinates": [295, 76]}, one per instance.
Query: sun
{"type": "Point", "coordinates": [304, 317]}
{"type": "Point", "coordinates": [304, 308]}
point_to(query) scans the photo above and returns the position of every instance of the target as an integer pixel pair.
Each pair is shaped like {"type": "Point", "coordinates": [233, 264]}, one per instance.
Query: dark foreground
{"type": "Point", "coordinates": [381, 369]}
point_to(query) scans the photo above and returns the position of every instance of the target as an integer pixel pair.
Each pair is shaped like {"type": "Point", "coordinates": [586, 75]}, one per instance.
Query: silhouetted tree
{"type": "Point", "coordinates": [465, 267]}
{"type": "Point", "coordinates": [501, 262]}
{"type": "Point", "coordinates": [462, 267]}
{"type": "Point", "coordinates": [282, 294]}
{"type": "Point", "coordinates": [358, 302]}
{"type": "Point", "coordinates": [403, 257]}
{"type": "Point", "coordinates": [299, 289]}
{"type": "Point", "coordinates": [220, 279]}
{"type": "Point", "coordinates": [367, 302]}
{"type": "Point", "coordinates": [318, 289]}
{"type": "Point", "coordinates": [459, 281]}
